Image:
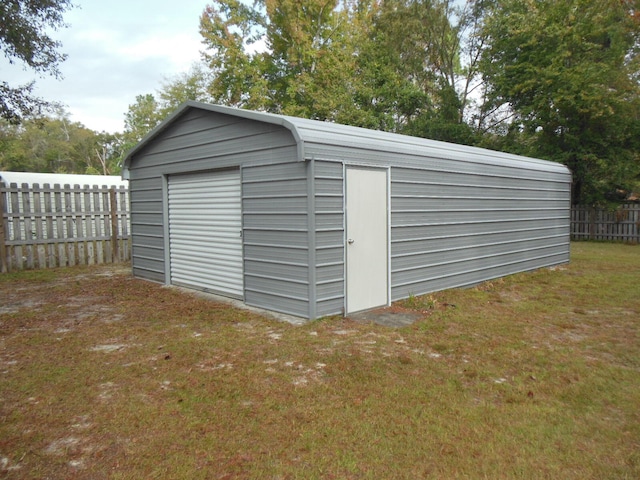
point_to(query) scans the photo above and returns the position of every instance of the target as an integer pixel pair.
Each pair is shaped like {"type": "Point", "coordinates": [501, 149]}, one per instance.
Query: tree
{"type": "Point", "coordinates": [141, 118]}
{"type": "Point", "coordinates": [434, 48]}
{"type": "Point", "coordinates": [283, 56]}
{"type": "Point", "coordinates": [557, 80]}
{"type": "Point", "coordinates": [229, 30]}
{"type": "Point", "coordinates": [391, 86]}
{"type": "Point", "coordinates": [317, 59]}
{"type": "Point", "coordinates": [568, 72]}
{"type": "Point", "coordinates": [392, 65]}
{"type": "Point", "coordinates": [109, 152]}
{"type": "Point", "coordinates": [24, 38]}
{"type": "Point", "coordinates": [55, 144]}
{"type": "Point", "coordinates": [151, 109]}
{"type": "Point", "coordinates": [191, 85]}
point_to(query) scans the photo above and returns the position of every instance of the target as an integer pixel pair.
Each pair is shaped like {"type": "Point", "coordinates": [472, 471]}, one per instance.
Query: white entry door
{"type": "Point", "coordinates": [367, 230]}
{"type": "Point", "coordinates": [205, 226]}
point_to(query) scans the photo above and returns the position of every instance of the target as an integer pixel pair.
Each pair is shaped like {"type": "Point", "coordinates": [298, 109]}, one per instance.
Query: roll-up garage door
{"type": "Point", "coordinates": [205, 226]}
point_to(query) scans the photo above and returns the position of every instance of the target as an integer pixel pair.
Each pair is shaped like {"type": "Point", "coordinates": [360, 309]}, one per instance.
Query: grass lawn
{"type": "Point", "coordinates": [533, 376]}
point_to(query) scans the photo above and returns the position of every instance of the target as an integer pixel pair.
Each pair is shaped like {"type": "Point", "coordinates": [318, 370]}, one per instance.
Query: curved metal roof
{"type": "Point", "coordinates": [313, 131]}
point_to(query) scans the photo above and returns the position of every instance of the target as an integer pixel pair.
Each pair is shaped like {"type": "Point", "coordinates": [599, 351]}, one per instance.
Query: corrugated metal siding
{"type": "Point", "coordinates": [459, 215]}
{"type": "Point", "coordinates": [205, 229]}
{"type": "Point", "coordinates": [276, 248]}
{"type": "Point", "coordinates": [147, 230]}
{"type": "Point", "coordinates": [452, 229]}
{"type": "Point", "coordinates": [329, 244]}
{"type": "Point", "coordinates": [198, 140]}
{"type": "Point", "coordinates": [456, 224]}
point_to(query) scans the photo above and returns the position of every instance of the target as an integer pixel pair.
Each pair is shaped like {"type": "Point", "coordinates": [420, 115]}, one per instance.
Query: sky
{"type": "Point", "coordinates": [116, 49]}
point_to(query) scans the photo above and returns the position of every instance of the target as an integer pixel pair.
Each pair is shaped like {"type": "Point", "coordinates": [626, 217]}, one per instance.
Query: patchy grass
{"type": "Point", "coordinates": [533, 376]}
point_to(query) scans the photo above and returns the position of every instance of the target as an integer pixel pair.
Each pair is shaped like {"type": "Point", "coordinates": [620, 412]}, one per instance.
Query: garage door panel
{"type": "Point", "coordinates": [195, 225]}
{"type": "Point", "coordinates": [205, 247]}
{"type": "Point", "coordinates": [197, 270]}
{"type": "Point", "coordinates": [187, 202]}
{"type": "Point", "coordinates": [219, 231]}
{"type": "Point", "coordinates": [222, 264]}
{"type": "Point", "coordinates": [208, 246]}
{"type": "Point", "coordinates": [205, 231]}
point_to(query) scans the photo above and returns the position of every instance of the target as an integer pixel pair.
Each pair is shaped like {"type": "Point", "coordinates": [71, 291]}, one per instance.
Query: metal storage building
{"type": "Point", "coordinates": [312, 218]}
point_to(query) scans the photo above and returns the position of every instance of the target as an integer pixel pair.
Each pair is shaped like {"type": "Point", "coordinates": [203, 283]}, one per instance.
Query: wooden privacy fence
{"type": "Point", "coordinates": [44, 227]}
{"type": "Point", "coordinates": [621, 224]}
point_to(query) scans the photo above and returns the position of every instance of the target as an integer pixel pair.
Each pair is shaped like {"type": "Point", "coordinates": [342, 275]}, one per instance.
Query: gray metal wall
{"type": "Point", "coordinates": [197, 141]}
{"type": "Point", "coordinates": [293, 220]}
{"type": "Point", "coordinates": [451, 229]}
{"type": "Point", "coordinates": [457, 223]}
{"type": "Point", "coordinates": [276, 237]}
{"type": "Point", "coordinates": [328, 243]}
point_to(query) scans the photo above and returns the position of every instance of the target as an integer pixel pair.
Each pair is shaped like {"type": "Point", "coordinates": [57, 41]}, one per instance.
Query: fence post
{"type": "Point", "coordinates": [592, 223]}
{"type": "Point", "coordinates": [113, 211]}
{"type": "Point", "coordinates": [3, 233]}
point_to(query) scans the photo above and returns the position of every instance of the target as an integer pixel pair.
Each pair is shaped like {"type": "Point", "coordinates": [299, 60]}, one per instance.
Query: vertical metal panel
{"type": "Point", "coordinates": [312, 226]}
{"type": "Point", "coordinates": [329, 237]}
{"type": "Point", "coordinates": [276, 237]}
{"type": "Point", "coordinates": [205, 231]}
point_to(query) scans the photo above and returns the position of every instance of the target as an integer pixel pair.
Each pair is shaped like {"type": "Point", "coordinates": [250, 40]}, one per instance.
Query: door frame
{"type": "Point", "coordinates": [387, 170]}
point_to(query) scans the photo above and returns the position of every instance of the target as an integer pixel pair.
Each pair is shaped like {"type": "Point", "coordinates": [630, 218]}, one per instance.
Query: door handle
{"type": "Point", "coordinates": [350, 241]}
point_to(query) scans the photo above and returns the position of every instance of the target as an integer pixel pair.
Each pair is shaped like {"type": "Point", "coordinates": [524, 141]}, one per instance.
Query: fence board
{"type": "Point", "coordinates": [4, 231]}
{"type": "Point", "coordinates": [50, 226]}
{"type": "Point", "coordinates": [39, 251]}
{"type": "Point", "coordinates": [619, 225]}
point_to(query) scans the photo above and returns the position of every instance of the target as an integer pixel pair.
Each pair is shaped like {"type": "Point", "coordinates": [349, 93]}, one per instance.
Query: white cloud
{"type": "Point", "coordinates": [117, 50]}
{"type": "Point", "coordinates": [181, 50]}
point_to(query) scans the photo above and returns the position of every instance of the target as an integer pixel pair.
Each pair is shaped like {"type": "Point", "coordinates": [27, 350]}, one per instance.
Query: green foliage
{"type": "Point", "coordinates": [392, 65]}
{"type": "Point", "coordinates": [141, 118]}
{"type": "Point", "coordinates": [229, 29]}
{"type": "Point", "coordinates": [421, 303]}
{"type": "Point", "coordinates": [25, 27]}
{"type": "Point", "coordinates": [55, 144]}
{"type": "Point", "coordinates": [281, 55]}
{"type": "Point", "coordinates": [568, 71]}
{"type": "Point", "coordinates": [191, 85]}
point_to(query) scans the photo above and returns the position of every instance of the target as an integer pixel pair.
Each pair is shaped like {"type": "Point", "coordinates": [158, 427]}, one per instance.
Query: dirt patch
{"type": "Point", "coordinates": [113, 347]}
